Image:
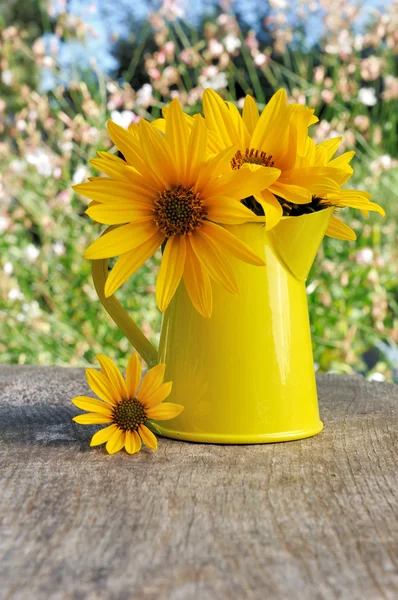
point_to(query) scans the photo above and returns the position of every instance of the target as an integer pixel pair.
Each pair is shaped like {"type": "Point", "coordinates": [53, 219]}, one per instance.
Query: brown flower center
{"type": "Point", "coordinates": [179, 211]}
{"type": "Point", "coordinates": [129, 414]}
{"type": "Point", "coordinates": [252, 156]}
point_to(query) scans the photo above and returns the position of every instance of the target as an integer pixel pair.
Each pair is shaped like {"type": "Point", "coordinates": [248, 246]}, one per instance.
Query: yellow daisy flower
{"type": "Point", "coordinates": [275, 139]}
{"type": "Point", "coordinates": [124, 406]}
{"type": "Point", "coordinates": [340, 171]}
{"type": "Point", "coordinates": [167, 190]}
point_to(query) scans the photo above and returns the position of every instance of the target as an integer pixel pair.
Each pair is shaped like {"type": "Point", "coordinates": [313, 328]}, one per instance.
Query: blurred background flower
{"type": "Point", "coordinates": [68, 66]}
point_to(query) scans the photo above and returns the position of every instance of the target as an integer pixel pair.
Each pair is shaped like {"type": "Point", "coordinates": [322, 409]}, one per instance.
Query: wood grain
{"type": "Point", "coordinates": [314, 519]}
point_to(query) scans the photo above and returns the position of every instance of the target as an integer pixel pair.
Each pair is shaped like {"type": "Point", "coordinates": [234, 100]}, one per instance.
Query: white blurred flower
{"type": "Point", "coordinates": [79, 175]}
{"type": "Point", "coordinates": [17, 166]}
{"type": "Point", "coordinates": [41, 161]}
{"type": "Point", "coordinates": [386, 161]}
{"type": "Point", "coordinates": [21, 124]}
{"type": "Point", "coordinates": [364, 256]}
{"type": "Point", "coordinates": [93, 135]}
{"type": "Point", "coordinates": [215, 48]}
{"type": "Point", "coordinates": [124, 118]}
{"type": "Point", "coordinates": [32, 309]}
{"type": "Point", "coordinates": [260, 59]}
{"type": "Point", "coordinates": [359, 42]}
{"type": "Point", "coordinates": [8, 268]}
{"type": "Point", "coordinates": [39, 47]}
{"type": "Point", "coordinates": [7, 77]}
{"type": "Point", "coordinates": [383, 163]}
{"type": "Point", "coordinates": [144, 95]}
{"type": "Point", "coordinates": [31, 252]}
{"type": "Point", "coordinates": [281, 4]}
{"type": "Point", "coordinates": [66, 146]}
{"type": "Point", "coordinates": [48, 62]}
{"type": "Point", "coordinates": [211, 78]}
{"type": "Point", "coordinates": [59, 249]}
{"type": "Point", "coordinates": [367, 95]}
{"type": "Point", "coordinates": [4, 222]}
{"type": "Point", "coordinates": [15, 294]}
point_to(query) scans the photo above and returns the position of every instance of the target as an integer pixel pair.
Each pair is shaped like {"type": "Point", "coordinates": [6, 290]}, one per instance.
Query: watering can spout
{"type": "Point", "coordinates": [296, 240]}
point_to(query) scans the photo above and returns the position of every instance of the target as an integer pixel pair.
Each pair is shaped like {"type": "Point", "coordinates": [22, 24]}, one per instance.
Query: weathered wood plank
{"type": "Point", "coordinates": [314, 519]}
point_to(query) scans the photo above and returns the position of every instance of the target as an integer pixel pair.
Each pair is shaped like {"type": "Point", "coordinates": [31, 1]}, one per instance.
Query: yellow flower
{"type": "Point", "coordinates": [275, 139]}
{"type": "Point", "coordinates": [167, 189]}
{"type": "Point", "coordinates": [339, 171]}
{"type": "Point", "coordinates": [124, 407]}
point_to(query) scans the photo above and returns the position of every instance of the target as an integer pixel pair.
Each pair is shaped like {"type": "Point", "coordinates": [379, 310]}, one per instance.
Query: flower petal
{"type": "Point", "coordinates": [124, 141]}
{"type": "Point", "coordinates": [325, 150]}
{"type": "Point", "coordinates": [243, 134]}
{"type": "Point", "coordinates": [228, 211]}
{"type": "Point", "coordinates": [108, 156]}
{"type": "Point", "coordinates": [157, 154]}
{"type": "Point", "coordinates": [292, 193]}
{"type": "Point", "coordinates": [273, 210]}
{"type": "Point", "coordinates": [116, 441]}
{"type": "Point", "coordinates": [243, 182]}
{"type": "Point", "coordinates": [92, 419]}
{"type": "Point", "coordinates": [354, 202]}
{"type": "Point", "coordinates": [214, 167]}
{"type": "Point", "coordinates": [101, 386]}
{"type": "Point", "coordinates": [171, 270]}
{"type": "Point", "coordinates": [110, 168]}
{"type": "Point", "coordinates": [133, 442]}
{"type": "Point", "coordinates": [318, 180]}
{"type": "Point", "coordinates": [270, 117]}
{"type": "Point", "coordinates": [105, 190]}
{"type": "Point", "coordinates": [196, 150]}
{"type": "Point", "coordinates": [157, 396]}
{"type": "Point", "coordinates": [230, 243]}
{"type": "Point", "coordinates": [339, 230]}
{"type": "Point", "coordinates": [215, 261]}
{"type": "Point", "coordinates": [148, 437]}
{"type": "Point", "coordinates": [177, 135]}
{"type": "Point", "coordinates": [220, 120]}
{"type": "Point", "coordinates": [152, 380]}
{"type": "Point", "coordinates": [118, 213]}
{"type": "Point", "coordinates": [129, 262]}
{"type": "Point", "coordinates": [92, 404]}
{"type": "Point", "coordinates": [164, 411]}
{"type": "Point", "coordinates": [197, 283]}
{"type": "Point", "coordinates": [129, 145]}
{"type": "Point", "coordinates": [103, 435]}
{"type": "Point", "coordinates": [111, 371]}
{"type": "Point", "coordinates": [250, 114]}
{"type": "Point", "coordinates": [121, 240]}
{"type": "Point", "coordinates": [133, 375]}
{"type": "Point", "coordinates": [342, 161]}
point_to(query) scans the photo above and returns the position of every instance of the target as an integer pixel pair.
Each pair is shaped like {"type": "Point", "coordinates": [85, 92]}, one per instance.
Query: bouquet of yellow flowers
{"type": "Point", "coordinates": [181, 179]}
{"type": "Point", "coordinates": [243, 201]}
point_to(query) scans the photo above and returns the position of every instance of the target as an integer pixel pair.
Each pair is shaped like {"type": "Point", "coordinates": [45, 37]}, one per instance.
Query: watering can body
{"type": "Point", "coordinates": [246, 375]}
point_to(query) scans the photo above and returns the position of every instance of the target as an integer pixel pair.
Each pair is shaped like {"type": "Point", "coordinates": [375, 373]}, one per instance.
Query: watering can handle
{"type": "Point", "coordinates": [120, 316]}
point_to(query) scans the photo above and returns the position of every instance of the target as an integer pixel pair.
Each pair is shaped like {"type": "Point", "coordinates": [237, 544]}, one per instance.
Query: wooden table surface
{"type": "Point", "coordinates": [313, 519]}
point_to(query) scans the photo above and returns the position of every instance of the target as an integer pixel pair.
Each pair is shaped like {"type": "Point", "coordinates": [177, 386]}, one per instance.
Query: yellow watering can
{"type": "Point", "coordinates": [246, 375]}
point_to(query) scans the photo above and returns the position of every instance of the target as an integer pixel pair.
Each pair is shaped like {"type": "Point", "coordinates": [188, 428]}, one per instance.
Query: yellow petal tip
{"type": "Point", "coordinates": [108, 292]}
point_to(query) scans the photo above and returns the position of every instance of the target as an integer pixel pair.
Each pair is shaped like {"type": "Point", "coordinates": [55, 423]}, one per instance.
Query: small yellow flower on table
{"type": "Point", "coordinates": [125, 406]}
